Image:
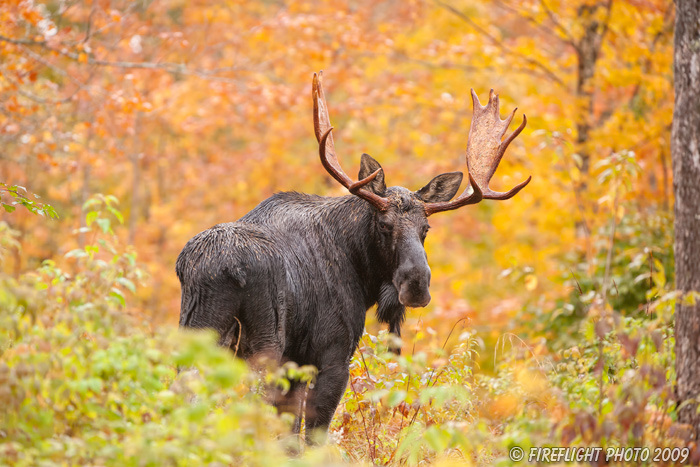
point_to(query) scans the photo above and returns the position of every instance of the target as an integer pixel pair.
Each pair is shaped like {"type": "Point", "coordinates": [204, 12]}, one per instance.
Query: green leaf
{"type": "Point", "coordinates": [116, 214]}
{"type": "Point", "coordinates": [90, 217]}
{"type": "Point", "coordinates": [90, 203]}
{"type": "Point", "coordinates": [375, 396]}
{"type": "Point", "coordinates": [105, 225]}
{"type": "Point", "coordinates": [50, 212]}
{"type": "Point", "coordinates": [111, 199]}
{"type": "Point", "coordinates": [437, 439]}
{"type": "Point", "coordinates": [116, 293]}
{"type": "Point", "coordinates": [396, 397]}
{"type": "Point", "coordinates": [127, 283]}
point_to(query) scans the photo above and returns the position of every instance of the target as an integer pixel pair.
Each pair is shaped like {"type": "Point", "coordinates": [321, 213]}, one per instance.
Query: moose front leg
{"type": "Point", "coordinates": [323, 399]}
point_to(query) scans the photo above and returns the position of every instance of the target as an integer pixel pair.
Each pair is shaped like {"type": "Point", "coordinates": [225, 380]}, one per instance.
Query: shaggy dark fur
{"type": "Point", "coordinates": [296, 275]}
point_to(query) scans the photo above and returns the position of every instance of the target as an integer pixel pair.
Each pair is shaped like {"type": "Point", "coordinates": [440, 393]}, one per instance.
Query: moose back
{"type": "Point", "coordinates": [293, 279]}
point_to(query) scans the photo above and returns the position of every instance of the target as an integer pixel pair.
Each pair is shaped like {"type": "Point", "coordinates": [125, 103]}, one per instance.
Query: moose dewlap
{"type": "Point", "coordinates": [293, 279]}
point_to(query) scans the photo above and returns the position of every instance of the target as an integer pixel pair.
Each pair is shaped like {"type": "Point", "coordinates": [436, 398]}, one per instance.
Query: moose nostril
{"type": "Point", "coordinates": [413, 294]}
{"type": "Point", "coordinates": [421, 300]}
{"type": "Point", "coordinates": [426, 300]}
{"type": "Point", "coordinates": [413, 301]}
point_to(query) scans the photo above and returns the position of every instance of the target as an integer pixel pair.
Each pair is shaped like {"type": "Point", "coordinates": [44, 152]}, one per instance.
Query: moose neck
{"type": "Point", "coordinates": [337, 231]}
{"type": "Point", "coordinates": [349, 221]}
{"type": "Point", "coordinates": [355, 235]}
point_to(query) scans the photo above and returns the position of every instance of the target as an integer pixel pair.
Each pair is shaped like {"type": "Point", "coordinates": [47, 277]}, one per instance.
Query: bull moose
{"type": "Point", "coordinates": [293, 279]}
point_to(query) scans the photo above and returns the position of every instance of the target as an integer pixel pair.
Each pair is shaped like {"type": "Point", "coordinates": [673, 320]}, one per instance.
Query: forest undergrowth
{"type": "Point", "coordinates": [84, 381]}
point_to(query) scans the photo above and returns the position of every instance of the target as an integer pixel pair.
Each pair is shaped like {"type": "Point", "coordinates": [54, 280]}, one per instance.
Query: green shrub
{"type": "Point", "coordinates": [84, 382]}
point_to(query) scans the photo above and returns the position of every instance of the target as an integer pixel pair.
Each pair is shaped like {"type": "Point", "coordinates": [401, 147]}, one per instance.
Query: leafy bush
{"type": "Point", "coordinates": [12, 196]}
{"type": "Point", "coordinates": [84, 382]}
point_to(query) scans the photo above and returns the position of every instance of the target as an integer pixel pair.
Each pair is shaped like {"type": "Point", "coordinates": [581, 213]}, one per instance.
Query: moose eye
{"type": "Point", "coordinates": [424, 232]}
{"type": "Point", "coordinates": [385, 227]}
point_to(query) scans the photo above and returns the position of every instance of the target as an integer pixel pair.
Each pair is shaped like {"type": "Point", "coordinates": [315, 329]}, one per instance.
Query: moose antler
{"type": "Point", "coordinates": [484, 152]}
{"type": "Point", "coordinates": [322, 129]}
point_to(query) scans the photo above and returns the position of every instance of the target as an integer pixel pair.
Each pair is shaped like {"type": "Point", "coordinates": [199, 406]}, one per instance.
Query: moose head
{"type": "Point", "coordinates": [400, 221]}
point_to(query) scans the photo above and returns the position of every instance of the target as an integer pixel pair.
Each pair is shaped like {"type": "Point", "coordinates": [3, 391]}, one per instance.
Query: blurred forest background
{"type": "Point", "coordinates": [190, 113]}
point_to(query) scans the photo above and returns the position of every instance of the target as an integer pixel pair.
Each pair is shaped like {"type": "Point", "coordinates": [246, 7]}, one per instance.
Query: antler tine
{"type": "Point", "coordinates": [485, 148]}
{"type": "Point", "coordinates": [322, 130]}
{"type": "Point", "coordinates": [484, 152]}
{"type": "Point", "coordinates": [322, 125]}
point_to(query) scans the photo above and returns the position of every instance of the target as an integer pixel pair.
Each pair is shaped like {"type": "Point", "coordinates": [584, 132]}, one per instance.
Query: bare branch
{"type": "Point", "coordinates": [444, 65]}
{"type": "Point", "coordinates": [34, 97]}
{"type": "Point", "coordinates": [88, 30]}
{"type": "Point", "coordinates": [549, 73]}
{"type": "Point", "coordinates": [667, 29]}
{"type": "Point", "coordinates": [606, 25]}
{"type": "Point", "coordinates": [169, 67]}
{"type": "Point", "coordinates": [38, 58]}
{"type": "Point", "coordinates": [469, 68]}
{"type": "Point", "coordinates": [567, 39]}
{"type": "Point", "coordinates": [558, 24]}
{"type": "Point", "coordinates": [20, 41]}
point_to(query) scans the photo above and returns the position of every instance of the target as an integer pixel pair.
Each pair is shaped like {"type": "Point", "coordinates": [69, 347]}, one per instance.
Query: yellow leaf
{"type": "Point", "coordinates": [530, 282]}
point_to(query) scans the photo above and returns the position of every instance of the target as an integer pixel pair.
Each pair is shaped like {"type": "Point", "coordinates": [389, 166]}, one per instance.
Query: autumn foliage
{"type": "Point", "coordinates": [551, 318]}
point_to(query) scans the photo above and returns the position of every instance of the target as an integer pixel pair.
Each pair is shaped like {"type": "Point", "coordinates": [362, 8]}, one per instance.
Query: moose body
{"type": "Point", "coordinates": [293, 279]}
{"type": "Point", "coordinates": [299, 273]}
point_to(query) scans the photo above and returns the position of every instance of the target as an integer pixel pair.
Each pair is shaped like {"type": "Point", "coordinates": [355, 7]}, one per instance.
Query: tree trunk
{"type": "Point", "coordinates": [685, 151]}
{"type": "Point", "coordinates": [587, 54]}
{"type": "Point", "coordinates": [588, 49]}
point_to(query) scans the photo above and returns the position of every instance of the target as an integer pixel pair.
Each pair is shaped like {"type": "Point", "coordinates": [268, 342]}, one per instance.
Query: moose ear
{"type": "Point", "coordinates": [442, 188]}
{"type": "Point", "coordinates": [367, 167]}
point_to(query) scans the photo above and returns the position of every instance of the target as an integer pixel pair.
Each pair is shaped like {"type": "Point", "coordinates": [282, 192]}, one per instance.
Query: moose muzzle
{"type": "Point", "coordinates": [412, 277]}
